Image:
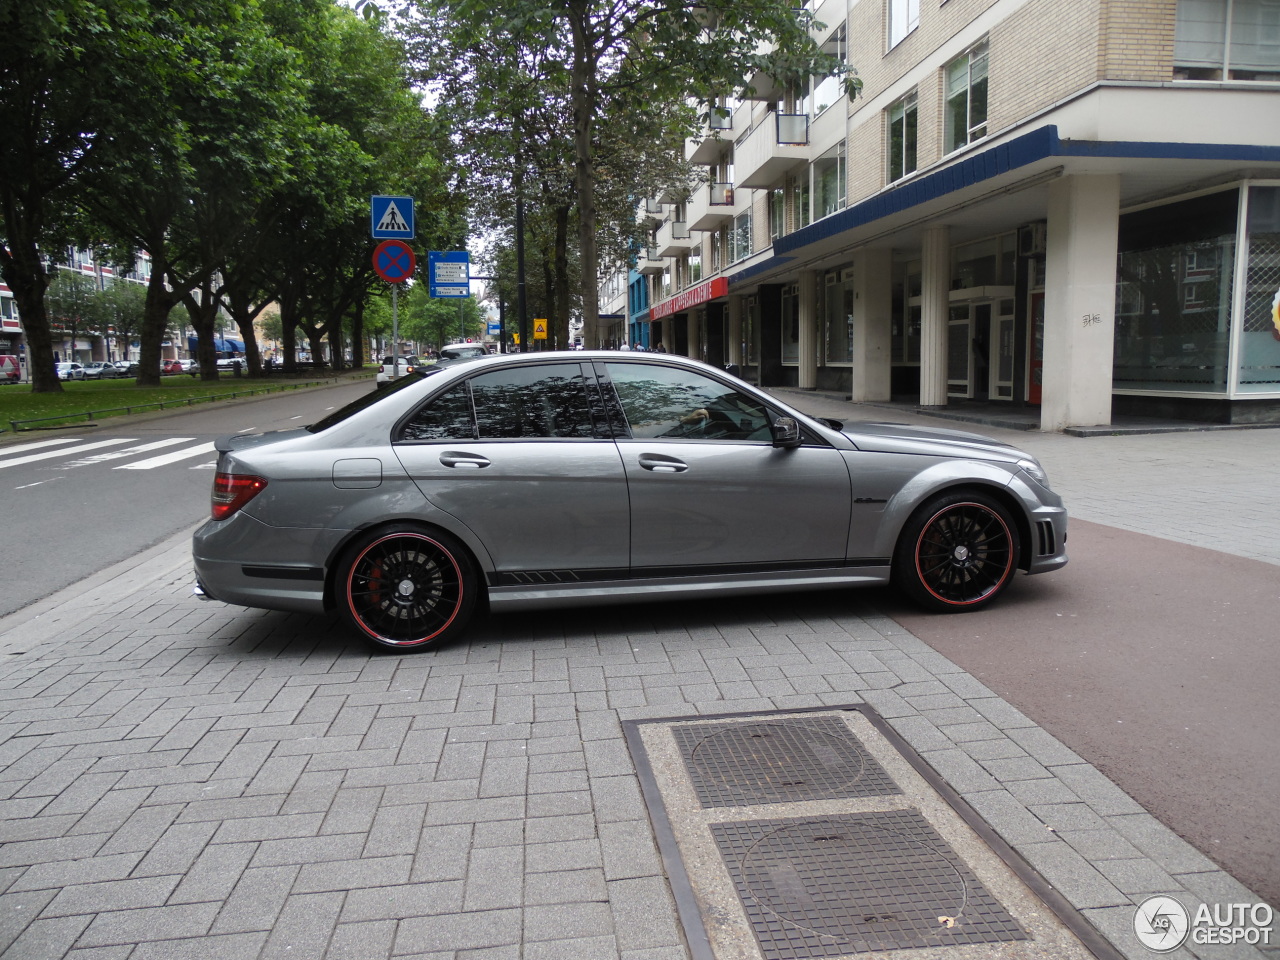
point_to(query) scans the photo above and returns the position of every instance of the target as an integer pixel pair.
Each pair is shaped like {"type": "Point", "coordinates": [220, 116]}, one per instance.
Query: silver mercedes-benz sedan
{"type": "Point", "coordinates": [592, 477]}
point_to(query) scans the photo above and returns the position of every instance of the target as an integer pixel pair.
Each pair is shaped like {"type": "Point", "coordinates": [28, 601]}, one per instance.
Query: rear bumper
{"type": "Point", "coordinates": [287, 571]}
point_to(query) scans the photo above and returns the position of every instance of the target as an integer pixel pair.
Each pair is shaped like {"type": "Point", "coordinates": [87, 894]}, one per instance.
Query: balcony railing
{"type": "Point", "coordinates": [793, 129]}
{"type": "Point", "coordinates": [721, 195]}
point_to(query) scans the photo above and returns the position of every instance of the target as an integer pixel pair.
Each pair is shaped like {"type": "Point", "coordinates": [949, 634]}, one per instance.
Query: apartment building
{"type": "Point", "coordinates": [1068, 206]}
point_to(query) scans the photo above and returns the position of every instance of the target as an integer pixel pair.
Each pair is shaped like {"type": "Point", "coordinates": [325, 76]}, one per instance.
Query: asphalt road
{"type": "Point", "coordinates": [85, 504]}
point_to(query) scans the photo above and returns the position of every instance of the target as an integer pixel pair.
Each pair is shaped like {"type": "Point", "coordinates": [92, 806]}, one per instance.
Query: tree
{"type": "Point", "coordinates": [66, 67]}
{"type": "Point", "coordinates": [621, 52]}
{"type": "Point", "coordinates": [70, 301]}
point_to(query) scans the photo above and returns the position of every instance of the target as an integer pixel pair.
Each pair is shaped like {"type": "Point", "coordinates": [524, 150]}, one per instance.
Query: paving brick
{"type": "Point", "coordinates": [90, 898]}
{"type": "Point", "coordinates": [235, 946]}
{"type": "Point", "coordinates": [256, 901]}
{"type": "Point", "coordinates": [303, 927]}
{"type": "Point", "coordinates": [156, 923]}
{"type": "Point", "coordinates": [17, 910]}
{"type": "Point", "coordinates": [430, 899]}
{"type": "Point", "coordinates": [214, 873]}
{"type": "Point", "coordinates": [643, 914]}
{"type": "Point", "coordinates": [362, 941]}
{"type": "Point", "coordinates": [460, 931]}
{"type": "Point", "coordinates": [495, 878]}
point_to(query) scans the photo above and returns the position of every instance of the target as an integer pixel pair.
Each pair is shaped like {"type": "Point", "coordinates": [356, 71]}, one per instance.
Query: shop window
{"type": "Point", "coordinates": [790, 324]}
{"type": "Point", "coordinates": [904, 17]}
{"type": "Point", "coordinates": [902, 137]}
{"type": "Point", "coordinates": [1227, 39]}
{"type": "Point", "coordinates": [966, 93]}
{"type": "Point", "coordinates": [1259, 367]}
{"type": "Point", "coordinates": [1164, 339]}
{"type": "Point", "coordinates": [837, 315]}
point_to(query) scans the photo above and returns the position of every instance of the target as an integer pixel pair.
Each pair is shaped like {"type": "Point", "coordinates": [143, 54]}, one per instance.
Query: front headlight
{"type": "Point", "coordinates": [1035, 471]}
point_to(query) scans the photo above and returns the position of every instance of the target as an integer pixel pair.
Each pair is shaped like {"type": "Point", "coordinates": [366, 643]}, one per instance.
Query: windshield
{"type": "Point", "coordinates": [367, 400]}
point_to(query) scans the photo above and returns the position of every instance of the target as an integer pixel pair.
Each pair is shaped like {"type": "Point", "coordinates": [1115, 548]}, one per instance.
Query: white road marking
{"type": "Point", "coordinates": [24, 447]}
{"type": "Point", "coordinates": [131, 451]}
{"type": "Point", "coordinates": [65, 451]}
{"type": "Point", "coordinates": [26, 486]}
{"type": "Point", "coordinates": [168, 458]}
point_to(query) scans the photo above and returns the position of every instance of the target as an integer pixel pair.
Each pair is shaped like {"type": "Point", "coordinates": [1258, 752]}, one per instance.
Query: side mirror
{"type": "Point", "coordinates": [786, 432]}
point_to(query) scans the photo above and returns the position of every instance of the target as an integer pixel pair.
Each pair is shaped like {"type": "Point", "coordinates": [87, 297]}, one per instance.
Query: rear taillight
{"type": "Point", "coordinates": [231, 491]}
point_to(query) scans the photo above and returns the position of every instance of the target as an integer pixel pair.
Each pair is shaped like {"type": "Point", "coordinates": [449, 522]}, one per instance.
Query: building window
{"type": "Point", "coordinates": [829, 180]}
{"type": "Point", "coordinates": [800, 201]}
{"type": "Point", "coordinates": [717, 250]}
{"type": "Point", "coordinates": [1227, 39]}
{"type": "Point", "coordinates": [904, 17]}
{"type": "Point", "coordinates": [902, 137]}
{"type": "Point", "coordinates": [777, 213]}
{"type": "Point", "coordinates": [967, 98]}
{"type": "Point", "coordinates": [829, 89]}
{"type": "Point", "coordinates": [695, 266]}
{"type": "Point", "coordinates": [740, 238]}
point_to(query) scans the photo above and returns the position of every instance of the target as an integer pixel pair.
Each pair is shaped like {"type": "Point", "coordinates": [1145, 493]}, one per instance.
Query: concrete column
{"type": "Point", "coordinates": [693, 337]}
{"type": "Point", "coordinates": [807, 314]}
{"type": "Point", "coordinates": [735, 330]}
{"type": "Point", "coordinates": [1080, 300]}
{"type": "Point", "coordinates": [872, 324]}
{"type": "Point", "coordinates": [935, 283]}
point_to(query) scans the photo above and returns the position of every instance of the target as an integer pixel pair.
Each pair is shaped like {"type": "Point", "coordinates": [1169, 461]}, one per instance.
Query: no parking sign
{"type": "Point", "coordinates": [394, 261]}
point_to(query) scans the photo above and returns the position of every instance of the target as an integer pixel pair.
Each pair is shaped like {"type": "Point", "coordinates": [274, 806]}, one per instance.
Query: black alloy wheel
{"type": "Point", "coordinates": [957, 552]}
{"type": "Point", "coordinates": [407, 588]}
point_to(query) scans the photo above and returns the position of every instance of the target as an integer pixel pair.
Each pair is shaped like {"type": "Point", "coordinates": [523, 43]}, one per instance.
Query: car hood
{"type": "Point", "coordinates": [939, 441]}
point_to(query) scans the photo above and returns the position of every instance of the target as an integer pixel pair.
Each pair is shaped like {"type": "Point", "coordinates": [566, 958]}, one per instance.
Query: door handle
{"type": "Point", "coordinates": [472, 461]}
{"type": "Point", "coordinates": [660, 464]}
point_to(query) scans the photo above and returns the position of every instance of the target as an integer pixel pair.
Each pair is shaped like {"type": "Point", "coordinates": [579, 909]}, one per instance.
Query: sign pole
{"type": "Point", "coordinates": [395, 331]}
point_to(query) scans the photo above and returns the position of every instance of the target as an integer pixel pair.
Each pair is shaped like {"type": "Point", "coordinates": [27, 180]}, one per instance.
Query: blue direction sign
{"type": "Point", "coordinates": [449, 273]}
{"type": "Point", "coordinates": [393, 261]}
{"type": "Point", "coordinates": [392, 218]}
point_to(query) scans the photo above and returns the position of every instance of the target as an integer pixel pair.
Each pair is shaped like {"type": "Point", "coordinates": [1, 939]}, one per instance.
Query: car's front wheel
{"type": "Point", "coordinates": [957, 552]}
{"type": "Point", "coordinates": [407, 588]}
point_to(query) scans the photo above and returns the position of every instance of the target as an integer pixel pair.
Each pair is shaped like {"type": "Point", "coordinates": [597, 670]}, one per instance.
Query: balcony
{"type": "Point", "coordinates": [772, 149]}
{"type": "Point", "coordinates": [711, 206]}
{"type": "Point", "coordinates": [648, 260]}
{"type": "Point", "coordinates": [674, 238]}
{"type": "Point", "coordinates": [716, 135]}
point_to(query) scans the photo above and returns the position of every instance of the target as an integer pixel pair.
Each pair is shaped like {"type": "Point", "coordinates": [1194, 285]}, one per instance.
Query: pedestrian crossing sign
{"type": "Point", "coordinates": [392, 218]}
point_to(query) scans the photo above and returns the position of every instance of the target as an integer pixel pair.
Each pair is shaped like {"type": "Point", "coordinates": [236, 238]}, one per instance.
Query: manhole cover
{"type": "Point", "coordinates": [733, 764]}
{"type": "Point", "coordinates": [856, 883]}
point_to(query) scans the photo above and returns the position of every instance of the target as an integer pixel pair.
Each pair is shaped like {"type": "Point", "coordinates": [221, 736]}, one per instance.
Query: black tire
{"type": "Point", "coordinates": [407, 588]}
{"type": "Point", "coordinates": [957, 552]}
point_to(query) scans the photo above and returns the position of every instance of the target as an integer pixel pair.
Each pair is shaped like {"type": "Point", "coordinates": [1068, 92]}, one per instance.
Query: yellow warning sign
{"type": "Point", "coordinates": [539, 329]}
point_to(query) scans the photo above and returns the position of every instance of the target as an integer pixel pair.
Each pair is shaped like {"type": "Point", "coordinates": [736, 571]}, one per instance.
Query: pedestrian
{"type": "Point", "coordinates": [660, 348]}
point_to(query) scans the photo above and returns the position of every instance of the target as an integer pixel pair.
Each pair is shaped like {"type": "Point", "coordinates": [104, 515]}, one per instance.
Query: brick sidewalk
{"type": "Point", "coordinates": [187, 779]}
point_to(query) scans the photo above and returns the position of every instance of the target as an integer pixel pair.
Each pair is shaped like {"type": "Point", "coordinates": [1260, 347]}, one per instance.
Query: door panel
{"type": "Point", "coordinates": [700, 503]}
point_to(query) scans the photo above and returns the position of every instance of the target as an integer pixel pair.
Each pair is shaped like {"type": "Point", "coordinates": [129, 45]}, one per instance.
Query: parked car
{"type": "Point", "coordinates": [171, 366]}
{"type": "Point", "coordinates": [126, 368]}
{"type": "Point", "coordinates": [10, 368]}
{"type": "Point", "coordinates": [389, 369]}
{"type": "Point", "coordinates": [70, 370]}
{"type": "Point", "coordinates": [456, 350]}
{"type": "Point", "coordinates": [565, 478]}
{"type": "Point", "coordinates": [100, 370]}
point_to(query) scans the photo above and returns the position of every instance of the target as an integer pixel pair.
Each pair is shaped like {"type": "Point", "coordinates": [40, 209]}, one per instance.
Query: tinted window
{"type": "Point", "coordinates": [446, 417]}
{"type": "Point", "coordinates": [529, 402]}
{"type": "Point", "coordinates": [679, 404]}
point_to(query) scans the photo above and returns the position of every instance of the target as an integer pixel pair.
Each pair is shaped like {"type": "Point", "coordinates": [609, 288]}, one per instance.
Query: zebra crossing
{"type": "Point", "coordinates": [70, 453]}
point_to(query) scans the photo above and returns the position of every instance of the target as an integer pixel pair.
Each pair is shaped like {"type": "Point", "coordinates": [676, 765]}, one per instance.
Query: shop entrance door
{"type": "Point", "coordinates": [1002, 351]}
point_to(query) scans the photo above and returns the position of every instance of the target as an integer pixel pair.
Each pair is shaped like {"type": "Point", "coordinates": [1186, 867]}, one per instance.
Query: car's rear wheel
{"type": "Point", "coordinates": [407, 588]}
{"type": "Point", "coordinates": [957, 552]}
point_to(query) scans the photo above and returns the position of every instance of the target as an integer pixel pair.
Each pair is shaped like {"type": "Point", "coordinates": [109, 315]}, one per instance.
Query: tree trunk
{"type": "Point", "coordinates": [24, 272]}
{"type": "Point", "coordinates": [155, 321]}
{"type": "Point", "coordinates": [583, 95]}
